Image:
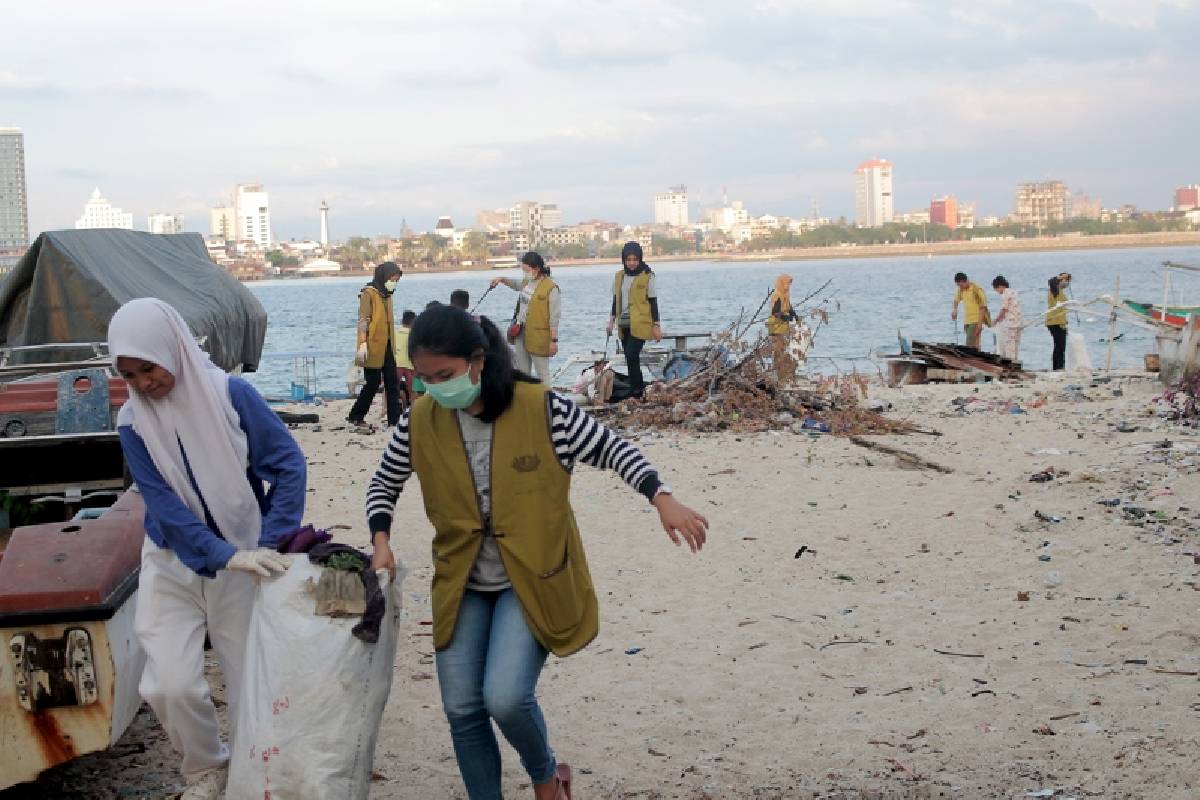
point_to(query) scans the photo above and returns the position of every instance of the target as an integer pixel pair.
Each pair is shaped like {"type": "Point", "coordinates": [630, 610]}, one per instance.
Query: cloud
{"type": "Point", "coordinates": [21, 87]}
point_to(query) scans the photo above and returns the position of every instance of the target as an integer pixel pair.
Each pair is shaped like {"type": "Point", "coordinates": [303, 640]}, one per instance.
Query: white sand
{"type": "Point", "coordinates": [740, 691]}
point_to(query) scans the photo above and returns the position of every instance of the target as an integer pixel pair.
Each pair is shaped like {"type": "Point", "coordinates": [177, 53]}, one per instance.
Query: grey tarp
{"type": "Point", "coordinates": [69, 284]}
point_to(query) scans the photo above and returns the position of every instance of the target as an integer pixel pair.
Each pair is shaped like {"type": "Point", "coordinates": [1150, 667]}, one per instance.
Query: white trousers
{"type": "Point", "coordinates": [175, 608]}
{"type": "Point", "coordinates": [538, 366]}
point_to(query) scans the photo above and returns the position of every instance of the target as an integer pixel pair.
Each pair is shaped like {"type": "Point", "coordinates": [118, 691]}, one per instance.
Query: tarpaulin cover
{"type": "Point", "coordinates": [69, 284]}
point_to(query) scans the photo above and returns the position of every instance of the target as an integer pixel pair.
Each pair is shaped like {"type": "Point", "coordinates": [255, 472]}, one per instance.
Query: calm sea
{"type": "Point", "coordinates": [869, 301]}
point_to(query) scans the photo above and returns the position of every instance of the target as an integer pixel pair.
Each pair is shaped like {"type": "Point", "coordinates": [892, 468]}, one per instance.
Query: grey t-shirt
{"type": "Point", "coordinates": [487, 573]}
{"type": "Point", "coordinates": [626, 286]}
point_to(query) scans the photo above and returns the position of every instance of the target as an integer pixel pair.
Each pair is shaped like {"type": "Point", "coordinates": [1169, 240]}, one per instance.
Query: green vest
{"type": "Point", "coordinates": [537, 319]}
{"type": "Point", "coordinates": [532, 520]}
{"type": "Point", "coordinates": [775, 325]}
{"type": "Point", "coordinates": [383, 322]}
{"type": "Point", "coordinates": [641, 321]}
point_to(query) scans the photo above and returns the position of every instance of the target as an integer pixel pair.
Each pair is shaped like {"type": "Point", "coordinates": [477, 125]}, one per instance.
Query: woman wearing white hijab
{"type": "Point", "coordinates": [199, 444]}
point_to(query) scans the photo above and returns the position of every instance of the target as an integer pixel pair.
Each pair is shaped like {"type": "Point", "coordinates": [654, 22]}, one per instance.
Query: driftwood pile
{"type": "Point", "coordinates": [960, 357]}
{"type": "Point", "coordinates": [749, 385]}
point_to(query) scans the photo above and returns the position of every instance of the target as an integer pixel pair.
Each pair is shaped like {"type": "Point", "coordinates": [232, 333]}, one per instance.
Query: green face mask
{"type": "Point", "coordinates": [457, 393]}
{"type": "Point", "coordinates": [418, 385]}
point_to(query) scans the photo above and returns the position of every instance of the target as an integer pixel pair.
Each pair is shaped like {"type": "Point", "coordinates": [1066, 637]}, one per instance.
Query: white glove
{"type": "Point", "coordinates": [261, 562]}
{"type": "Point", "coordinates": [360, 358]}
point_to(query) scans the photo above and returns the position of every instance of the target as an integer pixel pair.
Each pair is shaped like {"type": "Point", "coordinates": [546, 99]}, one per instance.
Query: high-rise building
{"type": "Point", "coordinates": [253, 214]}
{"type": "Point", "coordinates": [14, 202]}
{"type": "Point", "coordinates": [534, 218]}
{"type": "Point", "coordinates": [944, 211]}
{"type": "Point", "coordinates": [1186, 197]}
{"type": "Point", "coordinates": [1041, 203]}
{"type": "Point", "coordinates": [99, 213]}
{"type": "Point", "coordinates": [966, 215]}
{"type": "Point", "coordinates": [222, 223]}
{"type": "Point", "coordinates": [671, 207]}
{"type": "Point", "coordinates": [324, 224]}
{"type": "Point", "coordinates": [164, 223]}
{"type": "Point", "coordinates": [873, 202]}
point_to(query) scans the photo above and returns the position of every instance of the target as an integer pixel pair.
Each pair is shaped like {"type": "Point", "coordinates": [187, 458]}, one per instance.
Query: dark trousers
{"type": "Point", "coordinates": [633, 361]}
{"type": "Point", "coordinates": [1058, 359]}
{"type": "Point", "coordinates": [391, 390]}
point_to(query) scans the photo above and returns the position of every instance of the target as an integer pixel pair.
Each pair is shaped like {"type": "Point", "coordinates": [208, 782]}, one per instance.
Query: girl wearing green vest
{"type": "Point", "coordinates": [494, 451]}
{"type": "Point", "coordinates": [1056, 322]}
{"type": "Point", "coordinates": [376, 327]}
{"type": "Point", "coordinates": [634, 311]}
{"type": "Point", "coordinates": [539, 309]}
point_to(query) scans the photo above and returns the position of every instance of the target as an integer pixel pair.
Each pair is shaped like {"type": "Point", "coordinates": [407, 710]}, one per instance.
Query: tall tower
{"type": "Point", "coordinates": [14, 205]}
{"type": "Point", "coordinates": [324, 224]}
{"type": "Point", "coordinates": [873, 193]}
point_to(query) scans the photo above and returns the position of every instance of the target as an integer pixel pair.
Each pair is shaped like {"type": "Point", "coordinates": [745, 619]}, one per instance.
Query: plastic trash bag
{"type": "Point", "coordinates": [1077, 353]}
{"type": "Point", "coordinates": [312, 695]}
{"type": "Point", "coordinates": [354, 379]}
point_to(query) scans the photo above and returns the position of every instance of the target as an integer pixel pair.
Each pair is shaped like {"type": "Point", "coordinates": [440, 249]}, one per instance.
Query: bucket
{"type": "Point", "coordinates": [1152, 362]}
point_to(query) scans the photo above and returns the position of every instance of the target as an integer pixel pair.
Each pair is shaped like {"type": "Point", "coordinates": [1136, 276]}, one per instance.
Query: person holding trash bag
{"type": "Point", "coordinates": [634, 311]}
{"type": "Point", "coordinates": [200, 446]}
{"type": "Point", "coordinates": [376, 326]}
{"type": "Point", "coordinates": [1056, 322]}
{"type": "Point", "coordinates": [494, 451]}
{"type": "Point", "coordinates": [534, 329]}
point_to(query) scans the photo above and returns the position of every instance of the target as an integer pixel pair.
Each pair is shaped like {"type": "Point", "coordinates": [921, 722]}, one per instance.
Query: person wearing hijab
{"type": "Point", "coordinates": [202, 448]}
{"type": "Point", "coordinates": [376, 323]}
{"type": "Point", "coordinates": [1056, 321]}
{"type": "Point", "coordinates": [538, 312]}
{"type": "Point", "coordinates": [634, 311]}
{"type": "Point", "coordinates": [782, 314]}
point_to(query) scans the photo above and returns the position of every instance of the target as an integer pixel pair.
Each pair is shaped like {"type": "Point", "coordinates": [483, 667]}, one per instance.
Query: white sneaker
{"type": "Point", "coordinates": [206, 785]}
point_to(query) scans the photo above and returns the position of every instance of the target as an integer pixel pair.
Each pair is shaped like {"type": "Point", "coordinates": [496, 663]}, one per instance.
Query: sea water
{"type": "Point", "coordinates": [869, 302]}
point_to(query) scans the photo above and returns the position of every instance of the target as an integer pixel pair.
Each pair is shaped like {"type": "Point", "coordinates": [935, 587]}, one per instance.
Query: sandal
{"type": "Point", "coordinates": [563, 773]}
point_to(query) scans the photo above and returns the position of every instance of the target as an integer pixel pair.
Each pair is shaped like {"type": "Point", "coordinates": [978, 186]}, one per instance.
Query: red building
{"type": "Point", "coordinates": [944, 211]}
{"type": "Point", "coordinates": [1187, 198]}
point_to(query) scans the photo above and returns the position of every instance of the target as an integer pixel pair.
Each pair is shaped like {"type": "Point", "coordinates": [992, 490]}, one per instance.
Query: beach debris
{"type": "Point", "coordinates": [1043, 517]}
{"type": "Point", "coordinates": [845, 641]}
{"type": "Point", "coordinates": [1126, 427]}
{"type": "Point", "coordinates": [1044, 730]}
{"type": "Point", "coordinates": [931, 361]}
{"type": "Point", "coordinates": [633, 651]}
{"type": "Point", "coordinates": [897, 691]}
{"type": "Point", "coordinates": [843, 577]}
{"type": "Point", "coordinates": [960, 655]}
{"type": "Point", "coordinates": [1044, 557]}
{"type": "Point", "coordinates": [1044, 792]}
{"type": "Point", "coordinates": [804, 549]}
{"type": "Point", "coordinates": [1022, 597]}
{"type": "Point", "coordinates": [1113, 503]}
{"type": "Point", "coordinates": [903, 457]}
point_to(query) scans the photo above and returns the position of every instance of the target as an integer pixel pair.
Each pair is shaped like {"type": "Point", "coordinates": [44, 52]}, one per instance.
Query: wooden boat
{"type": "Point", "coordinates": [1176, 316]}
{"type": "Point", "coordinates": [70, 662]}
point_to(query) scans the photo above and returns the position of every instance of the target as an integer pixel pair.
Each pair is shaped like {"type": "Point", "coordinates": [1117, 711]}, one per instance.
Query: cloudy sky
{"type": "Point", "coordinates": [408, 110]}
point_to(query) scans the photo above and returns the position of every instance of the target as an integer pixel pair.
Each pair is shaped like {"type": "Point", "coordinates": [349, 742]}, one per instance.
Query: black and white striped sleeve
{"type": "Point", "coordinates": [394, 470]}
{"type": "Point", "coordinates": [579, 437]}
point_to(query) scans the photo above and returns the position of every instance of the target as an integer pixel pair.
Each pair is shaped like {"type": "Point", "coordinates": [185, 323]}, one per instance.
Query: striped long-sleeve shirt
{"type": "Point", "coordinates": [577, 437]}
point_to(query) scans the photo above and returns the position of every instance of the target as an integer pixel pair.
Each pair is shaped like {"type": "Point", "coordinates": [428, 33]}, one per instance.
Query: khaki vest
{"type": "Point", "coordinates": [641, 321]}
{"type": "Point", "coordinates": [775, 325]}
{"type": "Point", "coordinates": [383, 322]}
{"type": "Point", "coordinates": [537, 319]}
{"type": "Point", "coordinates": [532, 520]}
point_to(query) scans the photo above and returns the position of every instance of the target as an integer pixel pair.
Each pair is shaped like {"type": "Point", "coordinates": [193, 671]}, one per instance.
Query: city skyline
{"type": "Point", "coordinates": [777, 100]}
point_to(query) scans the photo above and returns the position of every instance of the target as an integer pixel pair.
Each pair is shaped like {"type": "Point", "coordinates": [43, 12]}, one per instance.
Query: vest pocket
{"type": "Point", "coordinates": [559, 595]}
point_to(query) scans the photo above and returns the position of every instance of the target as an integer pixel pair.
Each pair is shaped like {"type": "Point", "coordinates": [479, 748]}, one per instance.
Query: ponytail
{"type": "Point", "coordinates": [448, 331]}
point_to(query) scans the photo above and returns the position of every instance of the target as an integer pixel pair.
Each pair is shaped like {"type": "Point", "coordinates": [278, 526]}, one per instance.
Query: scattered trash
{"type": "Point", "coordinates": [1160, 492]}
{"type": "Point", "coordinates": [1054, 579]}
{"type": "Point", "coordinates": [1044, 557]}
{"type": "Point", "coordinates": [841, 577]}
{"type": "Point", "coordinates": [633, 651]}
{"type": "Point", "coordinates": [1045, 476]}
{"type": "Point", "coordinates": [804, 549]}
{"type": "Point", "coordinates": [1022, 596]}
{"type": "Point", "coordinates": [1113, 503]}
{"type": "Point", "coordinates": [1038, 515]}
{"type": "Point", "coordinates": [1044, 730]}
{"type": "Point", "coordinates": [810, 424]}
{"type": "Point", "coordinates": [1126, 427]}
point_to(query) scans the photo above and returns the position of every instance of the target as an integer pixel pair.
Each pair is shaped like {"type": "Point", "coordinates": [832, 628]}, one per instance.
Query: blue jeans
{"type": "Point", "coordinates": [489, 672]}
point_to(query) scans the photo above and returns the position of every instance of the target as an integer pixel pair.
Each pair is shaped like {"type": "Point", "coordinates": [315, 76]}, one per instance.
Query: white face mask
{"type": "Point", "coordinates": [390, 285]}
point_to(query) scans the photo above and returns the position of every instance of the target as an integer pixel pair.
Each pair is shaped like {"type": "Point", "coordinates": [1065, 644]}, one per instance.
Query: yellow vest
{"type": "Point", "coordinates": [1056, 317]}
{"type": "Point", "coordinates": [537, 319]}
{"type": "Point", "coordinates": [532, 520]}
{"type": "Point", "coordinates": [775, 325]}
{"type": "Point", "coordinates": [383, 321]}
{"type": "Point", "coordinates": [401, 340]}
{"type": "Point", "coordinates": [641, 321]}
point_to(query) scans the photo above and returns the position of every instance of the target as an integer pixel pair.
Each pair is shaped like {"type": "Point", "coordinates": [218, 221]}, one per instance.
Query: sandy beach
{"type": "Point", "coordinates": [855, 628]}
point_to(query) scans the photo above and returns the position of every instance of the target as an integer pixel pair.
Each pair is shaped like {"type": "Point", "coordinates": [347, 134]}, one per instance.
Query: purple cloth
{"type": "Point", "coordinates": [302, 540]}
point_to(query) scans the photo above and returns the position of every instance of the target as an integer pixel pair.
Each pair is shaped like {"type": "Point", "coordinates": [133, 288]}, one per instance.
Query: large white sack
{"type": "Point", "coordinates": [312, 696]}
{"type": "Point", "coordinates": [1078, 359]}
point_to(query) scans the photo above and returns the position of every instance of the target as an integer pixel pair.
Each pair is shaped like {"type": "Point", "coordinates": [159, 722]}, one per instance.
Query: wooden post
{"type": "Point", "coordinates": [1112, 325]}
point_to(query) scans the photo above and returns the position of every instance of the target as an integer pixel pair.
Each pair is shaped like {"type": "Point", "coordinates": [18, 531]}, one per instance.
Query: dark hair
{"type": "Point", "coordinates": [535, 260]}
{"type": "Point", "coordinates": [460, 298]}
{"type": "Point", "coordinates": [448, 331]}
{"type": "Point", "coordinates": [999, 280]}
{"type": "Point", "coordinates": [960, 276]}
{"type": "Point", "coordinates": [1053, 285]}
{"type": "Point", "coordinates": [384, 273]}
{"type": "Point", "coordinates": [407, 317]}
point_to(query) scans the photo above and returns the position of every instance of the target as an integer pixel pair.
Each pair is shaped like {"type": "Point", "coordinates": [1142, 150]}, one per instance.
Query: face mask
{"type": "Point", "coordinates": [457, 393]}
{"type": "Point", "coordinates": [389, 285]}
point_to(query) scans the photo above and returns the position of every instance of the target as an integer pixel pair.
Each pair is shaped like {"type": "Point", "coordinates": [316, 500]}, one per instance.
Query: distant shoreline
{"type": "Point", "coordinates": [962, 248]}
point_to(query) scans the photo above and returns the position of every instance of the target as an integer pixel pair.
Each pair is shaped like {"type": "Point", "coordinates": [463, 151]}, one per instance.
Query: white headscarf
{"type": "Point", "coordinates": [197, 414]}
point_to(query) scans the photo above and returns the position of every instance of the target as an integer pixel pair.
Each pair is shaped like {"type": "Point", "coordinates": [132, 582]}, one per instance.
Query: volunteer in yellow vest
{"type": "Point", "coordinates": [975, 310]}
{"type": "Point", "coordinates": [376, 326]}
{"type": "Point", "coordinates": [404, 370]}
{"type": "Point", "coordinates": [494, 451]}
{"type": "Point", "coordinates": [1056, 321]}
{"type": "Point", "coordinates": [634, 311]}
{"type": "Point", "coordinates": [539, 309]}
{"type": "Point", "coordinates": [782, 315]}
